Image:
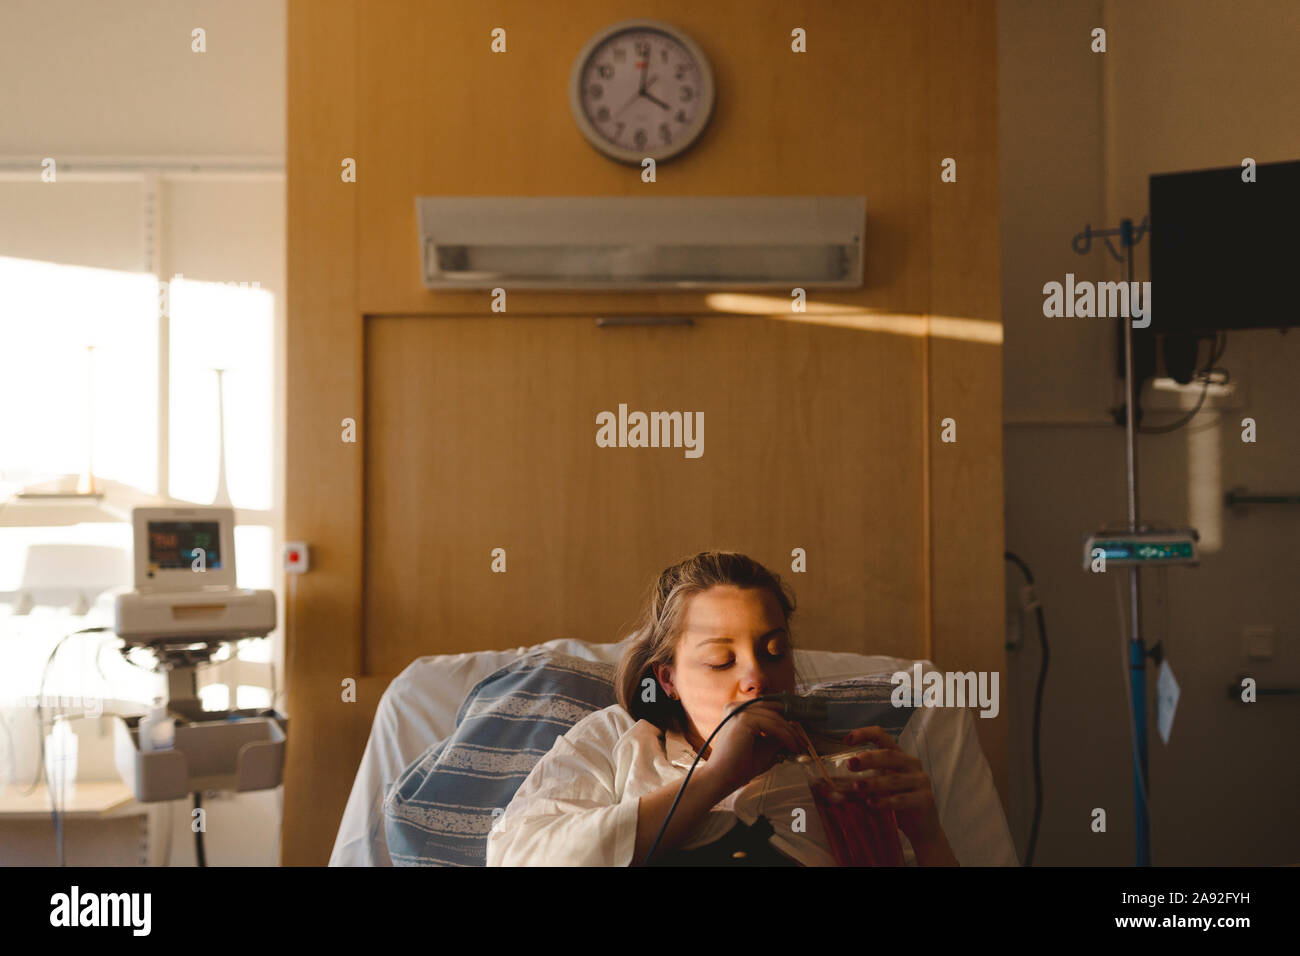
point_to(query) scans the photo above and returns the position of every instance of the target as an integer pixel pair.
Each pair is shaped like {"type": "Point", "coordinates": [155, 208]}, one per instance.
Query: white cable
{"type": "Point", "coordinates": [40, 733]}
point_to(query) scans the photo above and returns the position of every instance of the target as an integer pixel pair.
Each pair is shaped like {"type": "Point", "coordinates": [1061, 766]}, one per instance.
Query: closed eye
{"type": "Point", "coordinates": [723, 667]}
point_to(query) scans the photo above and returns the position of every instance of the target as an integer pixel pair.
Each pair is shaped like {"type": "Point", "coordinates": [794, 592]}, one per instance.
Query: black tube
{"type": "Point", "coordinates": [1038, 714]}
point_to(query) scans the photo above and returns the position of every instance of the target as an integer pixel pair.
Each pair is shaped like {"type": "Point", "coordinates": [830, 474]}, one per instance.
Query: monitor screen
{"type": "Point", "coordinates": [172, 545]}
{"type": "Point", "coordinates": [1224, 251]}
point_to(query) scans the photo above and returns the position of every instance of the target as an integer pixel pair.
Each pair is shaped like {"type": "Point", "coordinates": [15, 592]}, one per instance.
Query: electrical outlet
{"type": "Point", "coordinates": [1257, 641]}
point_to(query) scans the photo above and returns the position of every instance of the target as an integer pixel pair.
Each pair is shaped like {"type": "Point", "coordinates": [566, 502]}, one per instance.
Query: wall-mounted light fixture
{"type": "Point", "coordinates": [641, 244]}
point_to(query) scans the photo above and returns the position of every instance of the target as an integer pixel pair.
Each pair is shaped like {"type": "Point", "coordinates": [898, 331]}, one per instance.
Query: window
{"type": "Point", "coordinates": [107, 370]}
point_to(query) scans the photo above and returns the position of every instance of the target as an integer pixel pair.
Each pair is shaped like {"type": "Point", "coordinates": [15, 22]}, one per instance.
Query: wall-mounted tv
{"type": "Point", "coordinates": [1225, 253]}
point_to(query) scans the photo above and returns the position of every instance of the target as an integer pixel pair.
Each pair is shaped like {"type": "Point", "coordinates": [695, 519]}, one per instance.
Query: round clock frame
{"type": "Point", "coordinates": [631, 153]}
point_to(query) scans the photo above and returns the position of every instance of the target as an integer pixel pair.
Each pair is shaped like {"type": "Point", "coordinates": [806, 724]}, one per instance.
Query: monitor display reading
{"type": "Point", "coordinates": [173, 544]}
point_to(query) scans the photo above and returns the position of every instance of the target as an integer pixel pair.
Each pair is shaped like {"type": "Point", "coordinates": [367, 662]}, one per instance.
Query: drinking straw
{"type": "Point", "coordinates": [803, 735]}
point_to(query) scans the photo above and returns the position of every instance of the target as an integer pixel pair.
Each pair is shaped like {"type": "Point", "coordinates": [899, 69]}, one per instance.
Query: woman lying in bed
{"type": "Point", "coordinates": [715, 634]}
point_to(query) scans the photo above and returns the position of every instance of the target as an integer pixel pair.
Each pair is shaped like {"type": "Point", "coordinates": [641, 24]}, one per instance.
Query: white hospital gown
{"type": "Point", "coordinates": [578, 806]}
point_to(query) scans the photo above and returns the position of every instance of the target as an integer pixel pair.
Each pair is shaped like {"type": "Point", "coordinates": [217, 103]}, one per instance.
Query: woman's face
{"type": "Point", "coordinates": [734, 647]}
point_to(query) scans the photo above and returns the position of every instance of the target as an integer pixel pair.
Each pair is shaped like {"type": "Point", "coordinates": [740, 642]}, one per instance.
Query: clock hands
{"type": "Point", "coordinates": [645, 85]}
{"type": "Point", "coordinates": [635, 96]}
{"type": "Point", "coordinates": [642, 90]}
{"type": "Point", "coordinates": [655, 101]}
{"type": "Point", "coordinates": [645, 65]}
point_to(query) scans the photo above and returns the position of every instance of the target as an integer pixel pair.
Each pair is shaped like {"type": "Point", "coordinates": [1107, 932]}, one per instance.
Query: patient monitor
{"type": "Point", "coordinates": [184, 606]}
{"type": "Point", "coordinates": [185, 581]}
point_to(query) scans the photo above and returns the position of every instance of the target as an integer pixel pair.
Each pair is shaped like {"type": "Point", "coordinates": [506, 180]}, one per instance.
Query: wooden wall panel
{"type": "Point", "coordinates": [322, 474]}
{"type": "Point", "coordinates": [453, 406]}
{"type": "Point", "coordinates": [482, 435]}
{"type": "Point", "coordinates": [967, 575]}
{"type": "Point", "coordinates": [445, 116]}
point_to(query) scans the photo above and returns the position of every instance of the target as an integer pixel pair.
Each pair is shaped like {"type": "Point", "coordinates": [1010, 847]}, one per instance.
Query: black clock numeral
{"type": "Point", "coordinates": [606, 71]}
{"type": "Point", "coordinates": [639, 138]}
{"type": "Point", "coordinates": [595, 91]}
{"type": "Point", "coordinates": [665, 133]}
{"type": "Point", "coordinates": [664, 51]}
{"type": "Point", "coordinates": [620, 54]}
{"type": "Point", "coordinates": [618, 130]}
{"type": "Point", "coordinates": [602, 115]}
{"type": "Point", "coordinates": [681, 116]}
{"type": "Point", "coordinates": [687, 93]}
{"type": "Point", "coordinates": [642, 48]}
{"type": "Point", "coordinates": [682, 70]}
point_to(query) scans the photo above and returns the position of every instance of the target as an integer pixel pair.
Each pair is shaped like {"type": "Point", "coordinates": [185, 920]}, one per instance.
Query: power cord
{"type": "Point", "coordinates": [1038, 704]}
{"type": "Point", "coordinates": [43, 768]}
{"type": "Point", "coordinates": [682, 789]}
{"type": "Point", "coordinates": [1174, 426]}
{"type": "Point", "coordinates": [1204, 374]}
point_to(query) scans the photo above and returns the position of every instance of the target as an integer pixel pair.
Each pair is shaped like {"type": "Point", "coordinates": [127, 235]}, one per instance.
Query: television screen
{"type": "Point", "coordinates": [1225, 253]}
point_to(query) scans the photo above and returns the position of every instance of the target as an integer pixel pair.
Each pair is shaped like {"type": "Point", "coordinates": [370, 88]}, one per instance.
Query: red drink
{"type": "Point", "coordinates": [859, 834]}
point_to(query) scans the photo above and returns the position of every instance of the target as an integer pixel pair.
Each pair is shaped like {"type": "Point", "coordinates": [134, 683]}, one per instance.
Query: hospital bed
{"type": "Point", "coordinates": [455, 735]}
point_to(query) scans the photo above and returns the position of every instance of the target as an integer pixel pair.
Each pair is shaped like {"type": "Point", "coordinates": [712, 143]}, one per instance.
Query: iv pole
{"type": "Point", "coordinates": [1137, 649]}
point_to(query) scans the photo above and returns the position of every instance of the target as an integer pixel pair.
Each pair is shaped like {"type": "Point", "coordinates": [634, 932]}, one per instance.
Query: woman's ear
{"type": "Point", "coordinates": [664, 674]}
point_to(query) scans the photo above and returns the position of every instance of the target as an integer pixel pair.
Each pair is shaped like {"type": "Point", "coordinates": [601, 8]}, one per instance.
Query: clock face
{"type": "Point", "coordinates": [641, 89]}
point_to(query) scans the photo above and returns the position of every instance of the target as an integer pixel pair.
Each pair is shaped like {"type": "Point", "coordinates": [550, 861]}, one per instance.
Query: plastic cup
{"type": "Point", "coordinates": [858, 834]}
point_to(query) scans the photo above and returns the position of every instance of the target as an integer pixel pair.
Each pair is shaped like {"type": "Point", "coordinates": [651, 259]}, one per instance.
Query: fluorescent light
{"type": "Point", "coordinates": [628, 244]}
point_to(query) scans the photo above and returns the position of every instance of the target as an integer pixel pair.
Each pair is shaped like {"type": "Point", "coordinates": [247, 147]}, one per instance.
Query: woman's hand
{"type": "Point", "coordinates": [902, 786]}
{"type": "Point", "coordinates": [748, 744]}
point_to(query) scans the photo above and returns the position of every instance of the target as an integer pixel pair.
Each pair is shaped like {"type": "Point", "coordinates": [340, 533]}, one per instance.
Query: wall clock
{"type": "Point", "coordinates": [641, 88]}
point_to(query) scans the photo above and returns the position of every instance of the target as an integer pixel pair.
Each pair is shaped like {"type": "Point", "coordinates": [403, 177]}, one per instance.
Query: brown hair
{"type": "Point", "coordinates": [661, 625]}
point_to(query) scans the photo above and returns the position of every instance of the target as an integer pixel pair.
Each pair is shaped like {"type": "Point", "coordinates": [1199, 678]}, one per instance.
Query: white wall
{"type": "Point", "coordinates": [1184, 84]}
{"type": "Point", "coordinates": [118, 77]}
{"type": "Point", "coordinates": [85, 79]}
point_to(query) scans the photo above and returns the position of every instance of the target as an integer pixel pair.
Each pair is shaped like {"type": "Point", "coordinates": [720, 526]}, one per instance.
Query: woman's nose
{"type": "Point", "coordinates": [752, 682]}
